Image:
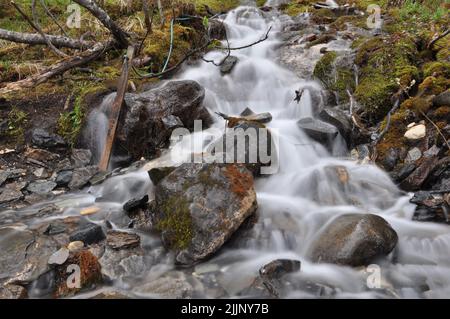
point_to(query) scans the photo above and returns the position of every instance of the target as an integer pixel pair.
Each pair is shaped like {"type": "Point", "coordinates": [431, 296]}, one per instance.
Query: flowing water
{"type": "Point", "coordinates": [297, 201]}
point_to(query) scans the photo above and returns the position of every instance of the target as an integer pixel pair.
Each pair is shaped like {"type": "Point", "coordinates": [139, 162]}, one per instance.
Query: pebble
{"type": "Point", "coordinates": [416, 132]}
{"type": "Point", "coordinates": [59, 257]}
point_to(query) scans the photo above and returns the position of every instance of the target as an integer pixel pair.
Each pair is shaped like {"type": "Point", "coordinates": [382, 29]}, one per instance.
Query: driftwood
{"type": "Point", "coordinates": [115, 110]}
{"type": "Point", "coordinates": [248, 116]}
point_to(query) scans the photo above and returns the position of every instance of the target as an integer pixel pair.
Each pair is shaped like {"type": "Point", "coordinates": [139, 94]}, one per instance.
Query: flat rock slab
{"type": "Point", "coordinates": [89, 234]}
{"type": "Point", "coordinates": [318, 130]}
{"type": "Point", "coordinates": [122, 240]}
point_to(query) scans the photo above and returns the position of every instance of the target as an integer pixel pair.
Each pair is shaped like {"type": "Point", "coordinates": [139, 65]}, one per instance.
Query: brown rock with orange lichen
{"type": "Point", "coordinates": [198, 207]}
{"type": "Point", "coordinates": [81, 271]}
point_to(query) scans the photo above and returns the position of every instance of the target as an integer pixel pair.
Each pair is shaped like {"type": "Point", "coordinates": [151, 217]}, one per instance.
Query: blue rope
{"type": "Point", "coordinates": [171, 46]}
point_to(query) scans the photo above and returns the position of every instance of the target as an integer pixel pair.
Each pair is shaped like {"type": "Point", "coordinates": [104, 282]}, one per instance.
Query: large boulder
{"type": "Point", "coordinates": [150, 117]}
{"type": "Point", "coordinates": [354, 240]}
{"type": "Point", "coordinates": [318, 130]}
{"type": "Point", "coordinates": [199, 206]}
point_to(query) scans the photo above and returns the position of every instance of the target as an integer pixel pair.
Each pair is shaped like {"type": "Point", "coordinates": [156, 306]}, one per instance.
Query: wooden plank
{"type": "Point", "coordinates": [115, 110]}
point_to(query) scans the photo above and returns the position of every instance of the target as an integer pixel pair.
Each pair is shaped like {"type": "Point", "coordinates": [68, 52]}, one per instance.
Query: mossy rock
{"type": "Point", "coordinates": [437, 68]}
{"type": "Point", "coordinates": [434, 86]}
{"type": "Point", "coordinates": [198, 207]}
{"type": "Point", "coordinates": [335, 77]}
{"type": "Point", "coordinates": [417, 104]}
{"type": "Point", "coordinates": [386, 64]}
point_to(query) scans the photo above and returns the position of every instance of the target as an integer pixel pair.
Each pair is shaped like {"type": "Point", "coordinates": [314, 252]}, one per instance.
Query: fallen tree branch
{"type": "Point", "coordinates": [36, 39]}
{"type": "Point", "coordinates": [118, 33]}
{"type": "Point", "coordinates": [266, 36]}
{"type": "Point", "coordinates": [115, 110]}
{"type": "Point", "coordinates": [437, 38]}
{"type": "Point", "coordinates": [59, 68]}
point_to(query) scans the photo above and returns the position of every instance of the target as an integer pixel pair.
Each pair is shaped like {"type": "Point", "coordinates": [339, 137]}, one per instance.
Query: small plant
{"type": "Point", "coordinates": [16, 122]}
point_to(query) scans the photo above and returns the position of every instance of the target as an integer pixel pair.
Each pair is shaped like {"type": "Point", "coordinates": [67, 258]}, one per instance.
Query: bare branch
{"type": "Point", "coordinates": [36, 39]}
{"type": "Point", "coordinates": [119, 34]}
{"type": "Point", "coordinates": [437, 38]}
{"type": "Point", "coordinates": [37, 28]}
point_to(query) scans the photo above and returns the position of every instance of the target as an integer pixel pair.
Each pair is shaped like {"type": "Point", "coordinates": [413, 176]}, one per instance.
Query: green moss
{"type": "Point", "coordinates": [434, 86]}
{"type": "Point", "coordinates": [176, 222]}
{"type": "Point", "coordinates": [17, 120]}
{"type": "Point", "coordinates": [386, 64]}
{"type": "Point", "coordinates": [437, 68]}
{"type": "Point", "coordinates": [417, 104]}
{"type": "Point", "coordinates": [336, 79]}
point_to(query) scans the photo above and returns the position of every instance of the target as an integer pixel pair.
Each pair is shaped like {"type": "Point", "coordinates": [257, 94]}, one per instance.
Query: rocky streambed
{"type": "Point", "coordinates": [323, 224]}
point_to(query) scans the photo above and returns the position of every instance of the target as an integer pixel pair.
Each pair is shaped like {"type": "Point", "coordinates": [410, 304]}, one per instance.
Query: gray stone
{"type": "Point", "coordinates": [89, 234]}
{"type": "Point", "coordinates": [81, 176]}
{"type": "Point", "coordinates": [63, 178]}
{"type": "Point", "coordinates": [42, 138]}
{"type": "Point", "coordinates": [9, 195]}
{"type": "Point", "coordinates": [158, 173]}
{"type": "Point", "coordinates": [354, 240]}
{"type": "Point", "coordinates": [340, 120]}
{"type": "Point", "coordinates": [228, 64]}
{"type": "Point", "coordinates": [121, 240]}
{"type": "Point", "coordinates": [413, 155]}
{"type": "Point", "coordinates": [198, 207]}
{"type": "Point", "coordinates": [41, 187]}
{"type": "Point", "coordinates": [135, 203]}
{"type": "Point", "coordinates": [81, 157]}
{"type": "Point", "coordinates": [143, 128]}
{"type": "Point", "coordinates": [59, 257]}
{"type": "Point", "coordinates": [318, 130]}
{"type": "Point", "coordinates": [442, 99]}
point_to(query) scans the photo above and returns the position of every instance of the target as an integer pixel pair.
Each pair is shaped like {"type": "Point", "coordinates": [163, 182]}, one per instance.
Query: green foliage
{"type": "Point", "coordinates": [16, 122]}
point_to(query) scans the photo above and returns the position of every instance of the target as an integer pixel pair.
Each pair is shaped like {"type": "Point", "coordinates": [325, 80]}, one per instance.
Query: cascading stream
{"type": "Point", "coordinates": [299, 200]}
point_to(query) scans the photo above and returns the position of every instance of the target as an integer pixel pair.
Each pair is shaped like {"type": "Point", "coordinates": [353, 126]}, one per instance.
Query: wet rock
{"type": "Point", "coordinates": [11, 174]}
{"type": "Point", "coordinates": [10, 195]}
{"type": "Point", "coordinates": [217, 29]}
{"type": "Point", "coordinates": [90, 274]}
{"type": "Point", "coordinates": [63, 178]}
{"type": "Point", "coordinates": [55, 229]}
{"type": "Point", "coordinates": [123, 263]}
{"type": "Point", "coordinates": [254, 139]}
{"type": "Point", "coordinates": [198, 207]}
{"type": "Point", "coordinates": [415, 180]}
{"type": "Point", "coordinates": [59, 257]}
{"type": "Point", "coordinates": [99, 178]}
{"type": "Point", "coordinates": [432, 206]}
{"type": "Point", "coordinates": [402, 172]}
{"type": "Point", "coordinates": [13, 250]}
{"type": "Point", "coordinates": [442, 99]}
{"type": "Point", "coordinates": [13, 292]}
{"type": "Point", "coordinates": [122, 240]}
{"type": "Point", "coordinates": [273, 273]}
{"type": "Point", "coordinates": [89, 234]}
{"type": "Point", "coordinates": [142, 130]}
{"type": "Point", "coordinates": [134, 203]}
{"type": "Point", "coordinates": [228, 64]}
{"type": "Point", "coordinates": [416, 132]}
{"type": "Point", "coordinates": [340, 120]}
{"type": "Point", "coordinates": [354, 240]}
{"type": "Point", "coordinates": [413, 155]}
{"type": "Point", "coordinates": [318, 130]}
{"type": "Point", "coordinates": [81, 176]}
{"type": "Point", "coordinates": [391, 158]}
{"type": "Point", "coordinates": [41, 187]}
{"type": "Point", "coordinates": [81, 157]}
{"type": "Point", "coordinates": [158, 173]}
{"type": "Point", "coordinates": [173, 285]}
{"type": "Point", "coordinates": [42, 138]}
{"type": "Point", "coordinates": [40, 155]}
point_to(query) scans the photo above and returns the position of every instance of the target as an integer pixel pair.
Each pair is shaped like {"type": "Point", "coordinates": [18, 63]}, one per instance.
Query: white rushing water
{"type": "Point", "coordinates": [298, 201]}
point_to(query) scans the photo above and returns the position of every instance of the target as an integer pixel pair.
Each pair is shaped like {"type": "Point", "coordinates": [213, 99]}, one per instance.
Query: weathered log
{"type": "Point", "coordinates": [115, 110]}
{"type": "Point", "coordinates": [36, 39]}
